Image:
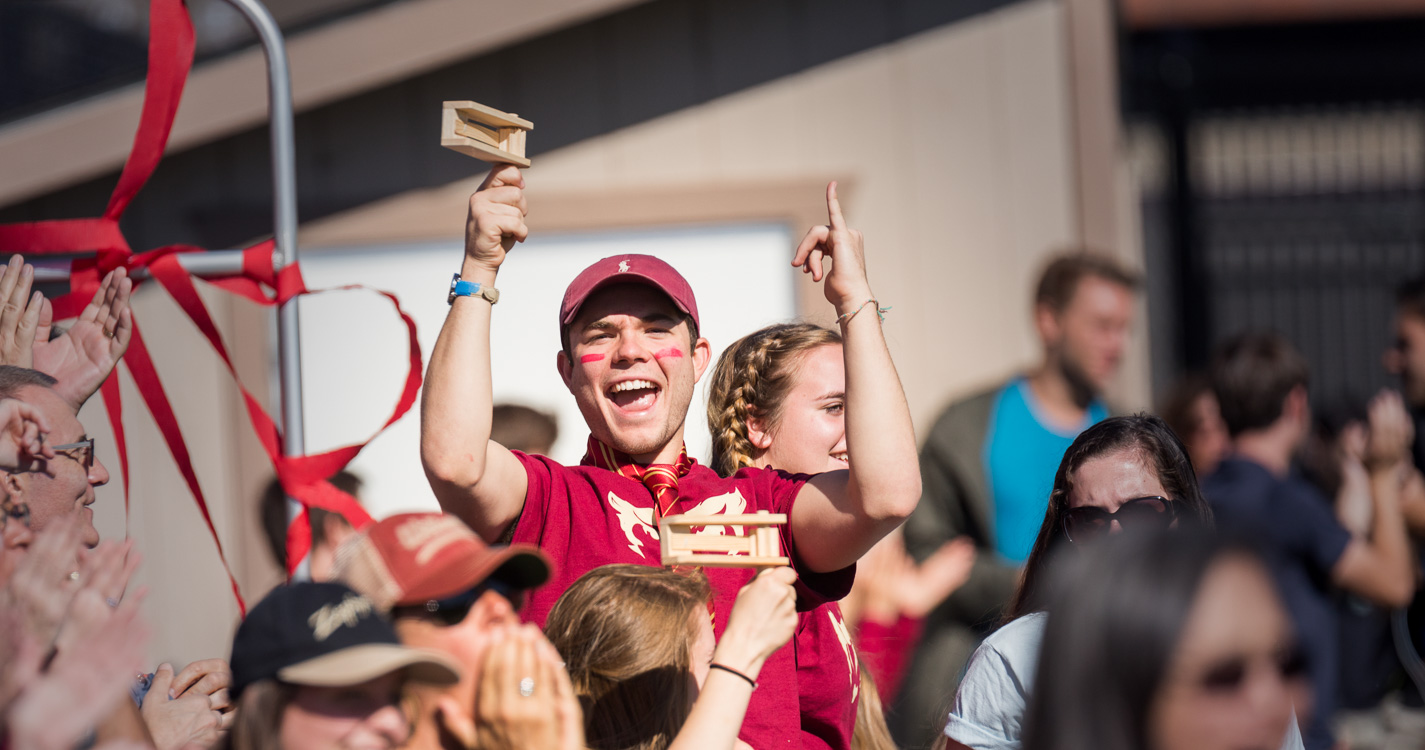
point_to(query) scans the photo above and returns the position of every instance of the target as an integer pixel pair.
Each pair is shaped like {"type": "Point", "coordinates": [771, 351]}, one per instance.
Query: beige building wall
{"type": "Point", "coordinates": [956, 150]}
{"type": "Point", "coordinates": [189, 602]}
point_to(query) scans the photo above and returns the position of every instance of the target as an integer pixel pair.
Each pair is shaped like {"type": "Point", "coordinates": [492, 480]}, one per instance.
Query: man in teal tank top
{"type": "Point", "coordinates": [989, 463]}
{"type": "Point", "coordinates": [1022, 452]}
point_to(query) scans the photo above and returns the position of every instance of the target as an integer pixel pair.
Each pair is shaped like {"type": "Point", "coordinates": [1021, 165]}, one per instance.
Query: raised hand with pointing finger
{"type": "Point", "coordinates": [846, 285]}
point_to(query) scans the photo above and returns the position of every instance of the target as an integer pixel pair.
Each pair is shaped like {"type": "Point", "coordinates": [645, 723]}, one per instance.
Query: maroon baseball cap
{"type": "Point", "coordinates": [412, 558]}
{"type": "Point", "coordinates": [619, 269]}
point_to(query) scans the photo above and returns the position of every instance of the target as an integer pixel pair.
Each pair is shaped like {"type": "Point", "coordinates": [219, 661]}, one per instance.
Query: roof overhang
{"type": "Point", "coordinates": [1154, 14]}
{"type": "Point", "coordinates": [86, 139]}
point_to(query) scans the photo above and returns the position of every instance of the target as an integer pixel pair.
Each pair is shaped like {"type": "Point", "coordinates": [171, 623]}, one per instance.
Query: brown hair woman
{"type": "Point", "coordinates": [638, 644]}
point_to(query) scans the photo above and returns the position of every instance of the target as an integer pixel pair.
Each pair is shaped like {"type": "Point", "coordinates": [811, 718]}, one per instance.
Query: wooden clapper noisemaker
{"type": "Point", "coordinates": [760, 548]}
{"type": "Point", "coordinates": [484, 133]}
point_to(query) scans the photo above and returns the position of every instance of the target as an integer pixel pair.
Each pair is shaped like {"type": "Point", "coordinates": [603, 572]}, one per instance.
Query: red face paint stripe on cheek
{"type": "Point", "coordinates": [591, 358]}
{"type": "Point", "coordinates": [671, 352]}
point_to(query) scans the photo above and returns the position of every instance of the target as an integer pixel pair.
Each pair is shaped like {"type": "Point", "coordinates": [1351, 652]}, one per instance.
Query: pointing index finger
{"type": "Point", "coordinates": [833, 207]}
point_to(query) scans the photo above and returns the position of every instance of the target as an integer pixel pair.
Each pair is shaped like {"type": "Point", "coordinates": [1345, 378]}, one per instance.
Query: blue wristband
{"type": "Point", "coordinates": [461, 288]}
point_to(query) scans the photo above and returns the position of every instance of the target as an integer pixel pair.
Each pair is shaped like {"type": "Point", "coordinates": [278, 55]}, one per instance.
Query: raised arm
{"type": "Point", "coordinates": [473, 478]}
{"type": "Point", "coordinates": [844, 513]}
{"type": "Point", "coordinates": [82, 357]}
{"type": "Point", "coordinates": [763, 619]}
{"type": "Point", "coordinates": [1380, 567]}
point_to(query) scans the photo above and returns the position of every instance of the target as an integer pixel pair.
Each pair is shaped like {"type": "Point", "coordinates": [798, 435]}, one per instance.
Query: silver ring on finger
{"type": "Point", "coordinates": [527, 687]}
{"type": "Point", "coordinates": [112, 602]}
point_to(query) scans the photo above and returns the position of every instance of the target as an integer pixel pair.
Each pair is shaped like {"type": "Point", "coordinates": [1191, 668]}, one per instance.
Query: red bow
{"type": "Point", "coordinates": [303, 477]}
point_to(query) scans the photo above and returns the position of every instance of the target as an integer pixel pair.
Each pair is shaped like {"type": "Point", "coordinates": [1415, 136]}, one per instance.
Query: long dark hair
{"type": "Point", "coordinates": [1117, 616]}
{"type": "Point", "coordinates": [1150, 439]}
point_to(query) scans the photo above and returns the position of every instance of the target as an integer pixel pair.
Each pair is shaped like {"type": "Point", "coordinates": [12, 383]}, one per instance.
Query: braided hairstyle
{"type": "Point", "coordinates": [752, 379]}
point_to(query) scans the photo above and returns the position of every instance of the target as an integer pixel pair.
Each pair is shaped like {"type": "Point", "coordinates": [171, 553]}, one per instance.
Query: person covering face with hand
{"type": "Point", "coordinates": [449, 592]}
{"type": "Point", "coordinates": [631, 356]}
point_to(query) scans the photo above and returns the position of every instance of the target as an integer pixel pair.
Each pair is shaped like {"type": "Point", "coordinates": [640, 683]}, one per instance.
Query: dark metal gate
{"type": "Point", "coordinates": [1283, 177]}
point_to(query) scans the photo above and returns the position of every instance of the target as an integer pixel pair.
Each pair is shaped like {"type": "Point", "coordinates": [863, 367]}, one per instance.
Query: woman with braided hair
{"type": "Point", "coordinates": [777, 399]}
{"type": "Point", "coordinates": [749, 392]}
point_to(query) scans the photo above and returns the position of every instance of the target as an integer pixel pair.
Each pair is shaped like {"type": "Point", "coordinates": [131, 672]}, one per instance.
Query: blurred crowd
{"type": "Point", "coordinates": [1041, 571]}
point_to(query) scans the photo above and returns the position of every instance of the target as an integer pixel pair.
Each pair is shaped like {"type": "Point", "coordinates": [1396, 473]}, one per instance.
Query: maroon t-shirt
{"type": "Point", "coordinates": [584, 517]}
{"type": "Point", "coordinates": [828, 678]}
{"type": "Point", "coordinates": [885, 651]}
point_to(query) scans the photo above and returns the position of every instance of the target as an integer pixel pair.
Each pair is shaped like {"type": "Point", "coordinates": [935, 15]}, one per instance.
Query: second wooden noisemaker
{"type": "Point", "coordinates": [760, 548]}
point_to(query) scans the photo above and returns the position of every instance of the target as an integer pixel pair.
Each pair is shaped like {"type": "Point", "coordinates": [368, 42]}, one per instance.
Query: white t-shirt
{"type": "Point", "coordinates": [989, 708]}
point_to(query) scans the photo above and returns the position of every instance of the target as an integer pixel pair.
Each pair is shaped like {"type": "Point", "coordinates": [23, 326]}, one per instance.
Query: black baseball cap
{"type": "Point", "coordinates": [325, 634]}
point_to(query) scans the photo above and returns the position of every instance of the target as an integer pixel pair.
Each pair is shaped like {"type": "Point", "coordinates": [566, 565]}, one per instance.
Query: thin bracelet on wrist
{"type": "Point", "coordinates": [845, 318]}
{"type": "Point", "coordinates": [730, 670]}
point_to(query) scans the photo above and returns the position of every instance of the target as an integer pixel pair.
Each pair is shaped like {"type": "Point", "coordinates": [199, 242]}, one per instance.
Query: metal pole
{"type": "Point", "coordinates": [284, 184]}
{"type": "Point", "coordinates": [210, 264]}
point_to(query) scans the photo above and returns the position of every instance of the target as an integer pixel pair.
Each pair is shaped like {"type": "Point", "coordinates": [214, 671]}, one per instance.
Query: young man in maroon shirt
{"type": "Point", "coordinates": [631, 357]}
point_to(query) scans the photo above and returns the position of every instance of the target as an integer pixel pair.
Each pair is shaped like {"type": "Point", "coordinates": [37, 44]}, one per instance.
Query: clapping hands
{"type": "Point", "coordinates": [80, 358]}
{"type": "Point", "coordinates": [71, 643]}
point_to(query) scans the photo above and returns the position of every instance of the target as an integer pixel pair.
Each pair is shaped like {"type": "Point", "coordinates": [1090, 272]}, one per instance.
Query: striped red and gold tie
{"type": "Point", "coordinates": [660, 479]}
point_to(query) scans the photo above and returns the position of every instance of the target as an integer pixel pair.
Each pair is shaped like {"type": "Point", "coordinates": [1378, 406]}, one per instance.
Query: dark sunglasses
{"type": "Point", "coordinates": [452, 610]}
{"type": "Point", "coordinates": [1139, 514]}
{"type": "Point", "coordinates": [1228, 676]}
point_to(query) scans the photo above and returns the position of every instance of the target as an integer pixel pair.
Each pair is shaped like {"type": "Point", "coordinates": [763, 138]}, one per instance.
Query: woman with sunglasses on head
{"type": "Point", "coordinates": [1166, 640]}
{"type": "Point", "coordinates": [1123, 474]}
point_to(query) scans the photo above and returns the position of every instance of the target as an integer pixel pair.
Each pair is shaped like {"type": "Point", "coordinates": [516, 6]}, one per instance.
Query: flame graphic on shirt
{"type": "Point", "coordinates": [844, 635]}
{"type": "Point", "coordinates": [632, 518]}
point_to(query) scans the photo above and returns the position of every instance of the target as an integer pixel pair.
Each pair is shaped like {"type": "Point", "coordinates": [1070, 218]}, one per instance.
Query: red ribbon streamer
{"type": "Point", "coordinates": [303, 477]}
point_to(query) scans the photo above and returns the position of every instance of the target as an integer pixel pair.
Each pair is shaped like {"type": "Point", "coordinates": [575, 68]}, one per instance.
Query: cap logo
{"type": "Point", "coordinates": [623, 266]}
{"type": "Point", "coordinates": [426, 537]}
{"type": "Point", "coordinates": [345, 613]}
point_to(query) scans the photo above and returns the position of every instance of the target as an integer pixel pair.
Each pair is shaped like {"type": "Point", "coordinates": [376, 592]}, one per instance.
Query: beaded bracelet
{"type": "Point", "coordinates": [730, 670]}
{"type": "Point", "coordinates": [880, 312]}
